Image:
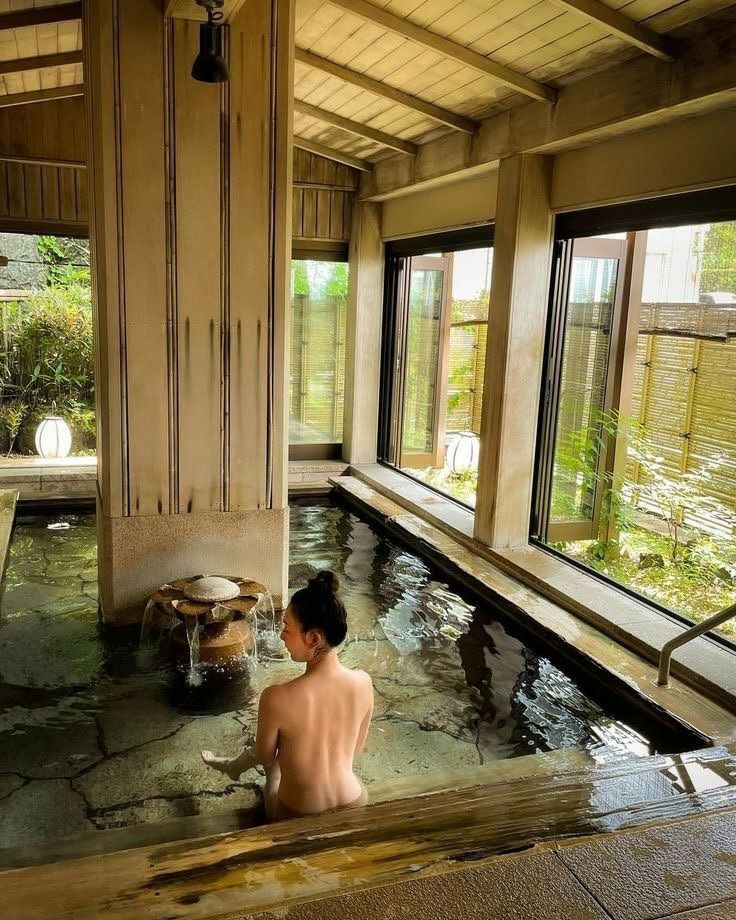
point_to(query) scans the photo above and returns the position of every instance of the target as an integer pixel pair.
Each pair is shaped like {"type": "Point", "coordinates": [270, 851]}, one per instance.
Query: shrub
{"type": "Point", "coordinates": [47, 364]}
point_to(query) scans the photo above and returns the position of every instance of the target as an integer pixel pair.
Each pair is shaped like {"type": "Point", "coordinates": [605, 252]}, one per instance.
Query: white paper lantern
{"type": "Point", "coordinates": [462, 453]}
{"type": "Point", "coordinates": [53, 437]}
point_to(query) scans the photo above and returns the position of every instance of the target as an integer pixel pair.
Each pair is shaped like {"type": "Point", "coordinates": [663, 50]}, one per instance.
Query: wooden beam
{"type": "Point", "coordinates": [338, 156]}
{"type": "Point", "coordinates": [41, 161]}
{"type": "Point", "coordinates": [42, 95]}
{"type": "Point", "coordinates": [627, 97]}
{"type": "Point", "coordinates": [355, 127]}
{"type": "Point", "coordinates": [65, 12]}
{"type": "Point", "coordinates": [190, 9]}
{"type": "Point", "coordinates": [621, 26]}
{"type": "Point", "coordinates": [444, 116]}
{"type": "Point", "coordinates": [449, 49]}
{"type": "Point", "coordinates": [41, 61]}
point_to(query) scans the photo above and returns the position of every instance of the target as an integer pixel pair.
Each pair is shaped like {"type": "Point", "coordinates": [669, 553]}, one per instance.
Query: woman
{"type": "Point", "coordinates": [310, 729]}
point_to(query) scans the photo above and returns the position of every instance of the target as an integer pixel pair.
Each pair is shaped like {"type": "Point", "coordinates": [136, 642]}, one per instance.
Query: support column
{"type": "Point", "coordinates": [363, 347]}
{"type": "Point", "coordinates": [190, 189]}
{"type": "Point", "coordinates": [514, 352]}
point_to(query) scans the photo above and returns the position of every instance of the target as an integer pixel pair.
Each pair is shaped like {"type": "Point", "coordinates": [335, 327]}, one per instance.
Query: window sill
{"type": "Point", "coordinates": [634, 624]}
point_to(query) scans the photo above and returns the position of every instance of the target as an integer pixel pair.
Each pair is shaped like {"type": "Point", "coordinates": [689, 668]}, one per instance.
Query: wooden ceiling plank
{"type": "Point", "coordinates": [356, 127]}
{"type": "Point", "coordinates": [329, 153]}
{"type": "Point", "coordinates": [450, 49]}
{"type": "Point", "coordinates": [21, 65]}
{"type": "Point", "coordinates": [621, 26]}
{"type": "Point", "coordinates": [190, 9]}
{"type": "Point", "coordinates": [388, 92]}
{"type": "Point", "coordinates": [42, 95]}
{"type": "Point", "coordinates": [40, 15]}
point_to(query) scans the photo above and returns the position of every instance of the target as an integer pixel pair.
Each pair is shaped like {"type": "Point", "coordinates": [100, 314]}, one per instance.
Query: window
{"type": "Point", "coordinates": [436, 318]}
{"type": "Point", "coordinates": [317, 377]}
{"type": "Point", "coordinates": [637, 460]}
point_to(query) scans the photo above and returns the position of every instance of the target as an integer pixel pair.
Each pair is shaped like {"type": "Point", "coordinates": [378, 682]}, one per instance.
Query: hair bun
{"type": "Point", "coordinates": [325, 581]}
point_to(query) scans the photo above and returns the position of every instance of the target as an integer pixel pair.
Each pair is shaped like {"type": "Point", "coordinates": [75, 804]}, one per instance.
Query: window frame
{"type": "Point", "coordinates": [398, 252]}
{"type": "Point", "coordinates": [705, 206]}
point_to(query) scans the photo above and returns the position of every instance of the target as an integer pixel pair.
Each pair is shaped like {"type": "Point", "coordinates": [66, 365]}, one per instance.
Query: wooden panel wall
{"type": "Point", "coordinates": [324, 192]}
{"type": "Point", "coordinates": [43, 198]}
{"type": "Point", "coordinates": [52, 130]}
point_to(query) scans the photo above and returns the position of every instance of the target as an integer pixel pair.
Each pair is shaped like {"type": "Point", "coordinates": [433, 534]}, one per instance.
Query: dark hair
{"type": "Point", "coordinates": [319, 606]}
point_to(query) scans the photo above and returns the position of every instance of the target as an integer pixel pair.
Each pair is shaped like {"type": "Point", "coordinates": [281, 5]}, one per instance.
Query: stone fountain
{"type": "Point", "coordinates": [211, 620]}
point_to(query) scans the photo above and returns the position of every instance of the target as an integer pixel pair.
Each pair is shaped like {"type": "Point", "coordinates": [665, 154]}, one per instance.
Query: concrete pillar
{"type": "Point", "coordinates": [514, 353]}
{"type": "Point", "coordinates": [363, 345]}
{"type": "Point", "coordinates": [190, 221]}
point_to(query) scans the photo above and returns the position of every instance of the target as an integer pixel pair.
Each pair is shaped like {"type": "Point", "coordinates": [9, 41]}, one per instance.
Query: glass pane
{"type": "Point", "coordinates": [583, 387]}
{"type": "Point", "coordinates": [317, 375]}
{"type": "Point", "coordinates": [445, 373]}
{"type": "Point", "coordinates": [422, 353]}
{"type": "Point", "coordinates": [645, 493]}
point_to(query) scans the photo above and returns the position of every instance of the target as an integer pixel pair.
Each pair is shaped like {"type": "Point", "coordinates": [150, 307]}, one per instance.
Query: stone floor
{"type": "Point", "coordinates": [97, 733]}
{"type": "Point", "coordinates": [682, 871]}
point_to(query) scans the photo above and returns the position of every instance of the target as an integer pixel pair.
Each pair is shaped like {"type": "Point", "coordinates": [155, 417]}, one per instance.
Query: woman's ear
{"type": "Point", "coordinates": [313, 638]}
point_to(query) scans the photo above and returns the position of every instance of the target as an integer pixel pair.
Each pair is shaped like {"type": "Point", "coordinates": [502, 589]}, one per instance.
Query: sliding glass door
{"type": "Point", "coordinates": [575, 459]}
{"type": "Point", "coordinates": [435, 332]}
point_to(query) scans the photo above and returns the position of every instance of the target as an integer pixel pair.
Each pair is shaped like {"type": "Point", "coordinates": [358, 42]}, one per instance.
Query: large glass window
{"type": "Point", "coordinates": [317, 378]}
{"type": "Point", "coordinates": [439, 306]}
{"type": "Point", "coordinates": [637, 471]}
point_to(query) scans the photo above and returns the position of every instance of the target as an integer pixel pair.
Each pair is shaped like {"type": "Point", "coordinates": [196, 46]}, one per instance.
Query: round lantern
{"type": "Point", "coordinates": [462, 452]}
{"type": "Point", "coordinates": [53, 437]}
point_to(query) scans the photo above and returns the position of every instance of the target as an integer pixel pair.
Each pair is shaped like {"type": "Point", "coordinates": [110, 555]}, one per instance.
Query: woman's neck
{"type": "Point", "coordinates": [323, 661]}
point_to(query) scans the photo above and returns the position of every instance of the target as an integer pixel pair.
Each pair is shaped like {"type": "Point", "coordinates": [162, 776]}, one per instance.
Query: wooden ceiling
{"type": "Point", "coordinates": [379, 77]}
{"type": "Point", "coordinates": [40, 47]}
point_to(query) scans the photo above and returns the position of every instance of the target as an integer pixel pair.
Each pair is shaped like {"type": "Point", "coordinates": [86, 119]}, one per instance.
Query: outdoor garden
{"type": "Point", "coordinates": [47, 352]}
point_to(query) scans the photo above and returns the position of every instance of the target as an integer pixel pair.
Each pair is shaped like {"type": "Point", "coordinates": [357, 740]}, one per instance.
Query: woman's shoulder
{"type": "Point", "coordinates": [362, 678]}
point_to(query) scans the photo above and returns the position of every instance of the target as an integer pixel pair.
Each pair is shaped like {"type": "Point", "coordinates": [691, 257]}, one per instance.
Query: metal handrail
{"type": "Point", "coordinates": [665, 656]}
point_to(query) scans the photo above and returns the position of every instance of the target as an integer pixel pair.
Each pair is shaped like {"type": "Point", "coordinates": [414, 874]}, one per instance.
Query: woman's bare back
{"type": "Point", "coordinates": [318, 722]}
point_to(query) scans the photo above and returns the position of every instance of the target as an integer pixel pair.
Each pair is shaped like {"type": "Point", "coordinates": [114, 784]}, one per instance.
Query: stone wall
{"type": "Point", "coordinates": [26, 267]}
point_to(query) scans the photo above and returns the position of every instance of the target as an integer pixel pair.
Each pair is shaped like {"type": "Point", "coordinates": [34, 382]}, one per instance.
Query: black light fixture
{"type": "Point", "coordinates": [209, 65]}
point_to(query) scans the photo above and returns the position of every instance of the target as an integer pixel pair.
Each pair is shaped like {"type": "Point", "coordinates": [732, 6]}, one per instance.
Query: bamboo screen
{"type": "Point", "coordinates": [422, 355]}
{"type": "Point", "coordinates": [685, 397]}
{"type": "Point", "coordinates": [317, 374]}
{"type": "Point", "coordinates": [468, 336]}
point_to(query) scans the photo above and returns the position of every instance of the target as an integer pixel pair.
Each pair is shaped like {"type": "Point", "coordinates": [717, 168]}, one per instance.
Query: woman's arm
{"type": "Point", "coordinates": [267, 736]}
{"type": "Point", "coordinates": [364, 726]}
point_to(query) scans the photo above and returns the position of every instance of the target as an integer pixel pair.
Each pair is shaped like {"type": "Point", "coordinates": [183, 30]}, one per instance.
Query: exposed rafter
{"type": "Point", "coordinates": [42, 95]}
{"type": "Point", "coordinates": [444, 116]}
{"type": "Point", "coordinates": [621, 26]}
{"type": "Point", "coordinates": [330, 154]}
{"type": "Point", "coordinates": [632, 96]}
{"type": "Point", "coordinates": [355, 127]}
{"type": "Point", "coordinates": [38, 63]}
{"type": "Point", "coordinates": [449, 49]}
{"type": "Point", "coordinates": [38, 16]}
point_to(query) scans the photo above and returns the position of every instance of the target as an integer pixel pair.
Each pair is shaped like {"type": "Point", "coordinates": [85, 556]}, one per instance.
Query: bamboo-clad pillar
{"type": "Point", "coordinates": [190, 214]}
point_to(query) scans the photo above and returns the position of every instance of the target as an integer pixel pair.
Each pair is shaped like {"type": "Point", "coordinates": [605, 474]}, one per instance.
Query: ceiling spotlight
{"type": "Point", "coordinates": [209, 65]}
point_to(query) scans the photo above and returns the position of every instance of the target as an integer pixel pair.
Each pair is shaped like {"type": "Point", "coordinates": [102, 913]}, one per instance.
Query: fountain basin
{"type": "Point", "coordinates": [217, 631]}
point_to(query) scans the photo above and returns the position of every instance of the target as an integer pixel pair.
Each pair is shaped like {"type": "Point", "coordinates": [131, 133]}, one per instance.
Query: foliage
{"type": "Point", "coordinates": [47, 357]}
{"type": "Point", "coordinates": [59, 254]}
{"type": "Point", "coordinates": [696, 572]}
{"type": "Point", "coordinates": [693, 586]}
{"type": "Point", "coordinates": [318, 279]}
{"type": "Point", "coordinates": [719, 258]}
{"type": "Point", "coordinates": [461, 486]}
